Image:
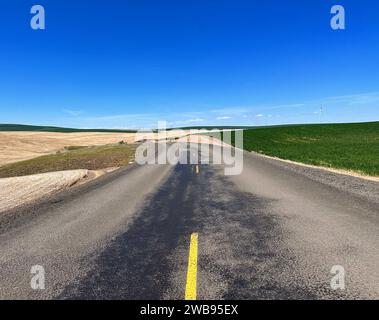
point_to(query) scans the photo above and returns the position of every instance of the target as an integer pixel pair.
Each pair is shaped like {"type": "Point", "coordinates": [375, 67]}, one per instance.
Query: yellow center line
{"type": "Point", "coordinates": [192, 269]}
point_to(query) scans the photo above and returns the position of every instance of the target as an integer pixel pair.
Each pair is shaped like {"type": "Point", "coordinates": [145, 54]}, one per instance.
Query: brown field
{"type": "Point", "coordinates": [22, 145]}
{"type": "Point", "coordinates": [22, 190]}
{"type": "Point", "coordinates": [31, 166]}
{"type": "Point", "coordinates": [18, 146]}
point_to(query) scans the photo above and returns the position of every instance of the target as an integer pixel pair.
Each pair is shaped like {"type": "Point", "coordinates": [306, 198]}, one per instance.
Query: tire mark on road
{"type": "Point", "coordinates": [135, 265]}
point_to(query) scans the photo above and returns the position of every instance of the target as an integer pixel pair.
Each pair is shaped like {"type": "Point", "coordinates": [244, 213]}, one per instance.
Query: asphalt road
{"type": "Point", "coordinates": [273, 232]}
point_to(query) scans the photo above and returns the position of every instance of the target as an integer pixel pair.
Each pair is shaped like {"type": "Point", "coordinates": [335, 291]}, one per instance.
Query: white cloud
{"type": "Point", "coordinates": [74, 113]}
{"type": "Point", "coordinates": [229, 110]}
{"type": "Point", "coordinates": [248, 114]}
{"type": "Point", "coordinates": [187, 122]}
{"type": "Point", "coordinates": [356, 99]}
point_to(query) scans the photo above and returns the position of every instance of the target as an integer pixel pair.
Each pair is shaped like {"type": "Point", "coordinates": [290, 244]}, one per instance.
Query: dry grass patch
{"type": "Point", "coordinates": [91, 158]}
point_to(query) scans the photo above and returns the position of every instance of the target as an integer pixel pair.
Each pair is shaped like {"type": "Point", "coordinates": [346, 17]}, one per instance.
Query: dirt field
{"type": "Point", "coordinates": [17, 146]}
{"type": "Point", "coordinates": [22, 190]}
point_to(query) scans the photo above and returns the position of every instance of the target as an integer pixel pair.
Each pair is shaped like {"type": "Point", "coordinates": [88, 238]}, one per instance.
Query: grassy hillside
{"type": "Point", "coordinates": [21, 127]}
{"type": "Point", "coordinates": [92, 158]}
{"type": "Point", "coordinates": [345, 146]}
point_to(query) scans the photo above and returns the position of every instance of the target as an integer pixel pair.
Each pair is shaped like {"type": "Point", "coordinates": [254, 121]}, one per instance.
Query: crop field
{"type": "Point", "coordinates": [91, 158]}
{"type": "Point", "coordinates": [353, 147]}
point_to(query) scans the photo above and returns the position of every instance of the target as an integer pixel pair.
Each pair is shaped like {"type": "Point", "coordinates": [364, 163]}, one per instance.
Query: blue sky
{"type": "Point", "coordinates": [128, 64]}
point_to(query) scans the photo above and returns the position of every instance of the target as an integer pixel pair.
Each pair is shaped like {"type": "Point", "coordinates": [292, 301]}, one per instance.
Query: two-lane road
{"type": "Point", "coordinates": [273, 232]}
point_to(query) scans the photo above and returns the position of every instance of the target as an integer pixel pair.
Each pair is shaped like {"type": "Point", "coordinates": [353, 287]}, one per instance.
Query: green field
{"type": "Point", "coordinates": [352, 147]}
{"type": "Point", "coordinates": [71, 158]}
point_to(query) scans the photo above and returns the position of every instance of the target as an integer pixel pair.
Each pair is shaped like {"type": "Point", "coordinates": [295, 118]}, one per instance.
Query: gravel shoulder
{"type": "Point", "coordinates": [364, 187]}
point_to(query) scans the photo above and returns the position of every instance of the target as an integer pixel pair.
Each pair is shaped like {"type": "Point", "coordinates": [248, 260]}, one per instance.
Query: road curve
{"type": "Point", "coordinates": [273, 232]}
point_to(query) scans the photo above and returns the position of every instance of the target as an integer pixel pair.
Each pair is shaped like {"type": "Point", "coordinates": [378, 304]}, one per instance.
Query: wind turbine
{"type": "Point", "coordinates": [321, 112]}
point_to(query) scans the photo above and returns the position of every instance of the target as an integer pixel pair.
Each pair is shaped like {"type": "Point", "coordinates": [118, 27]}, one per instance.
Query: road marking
{"type": "Point", "coordinates": [192, 269]}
